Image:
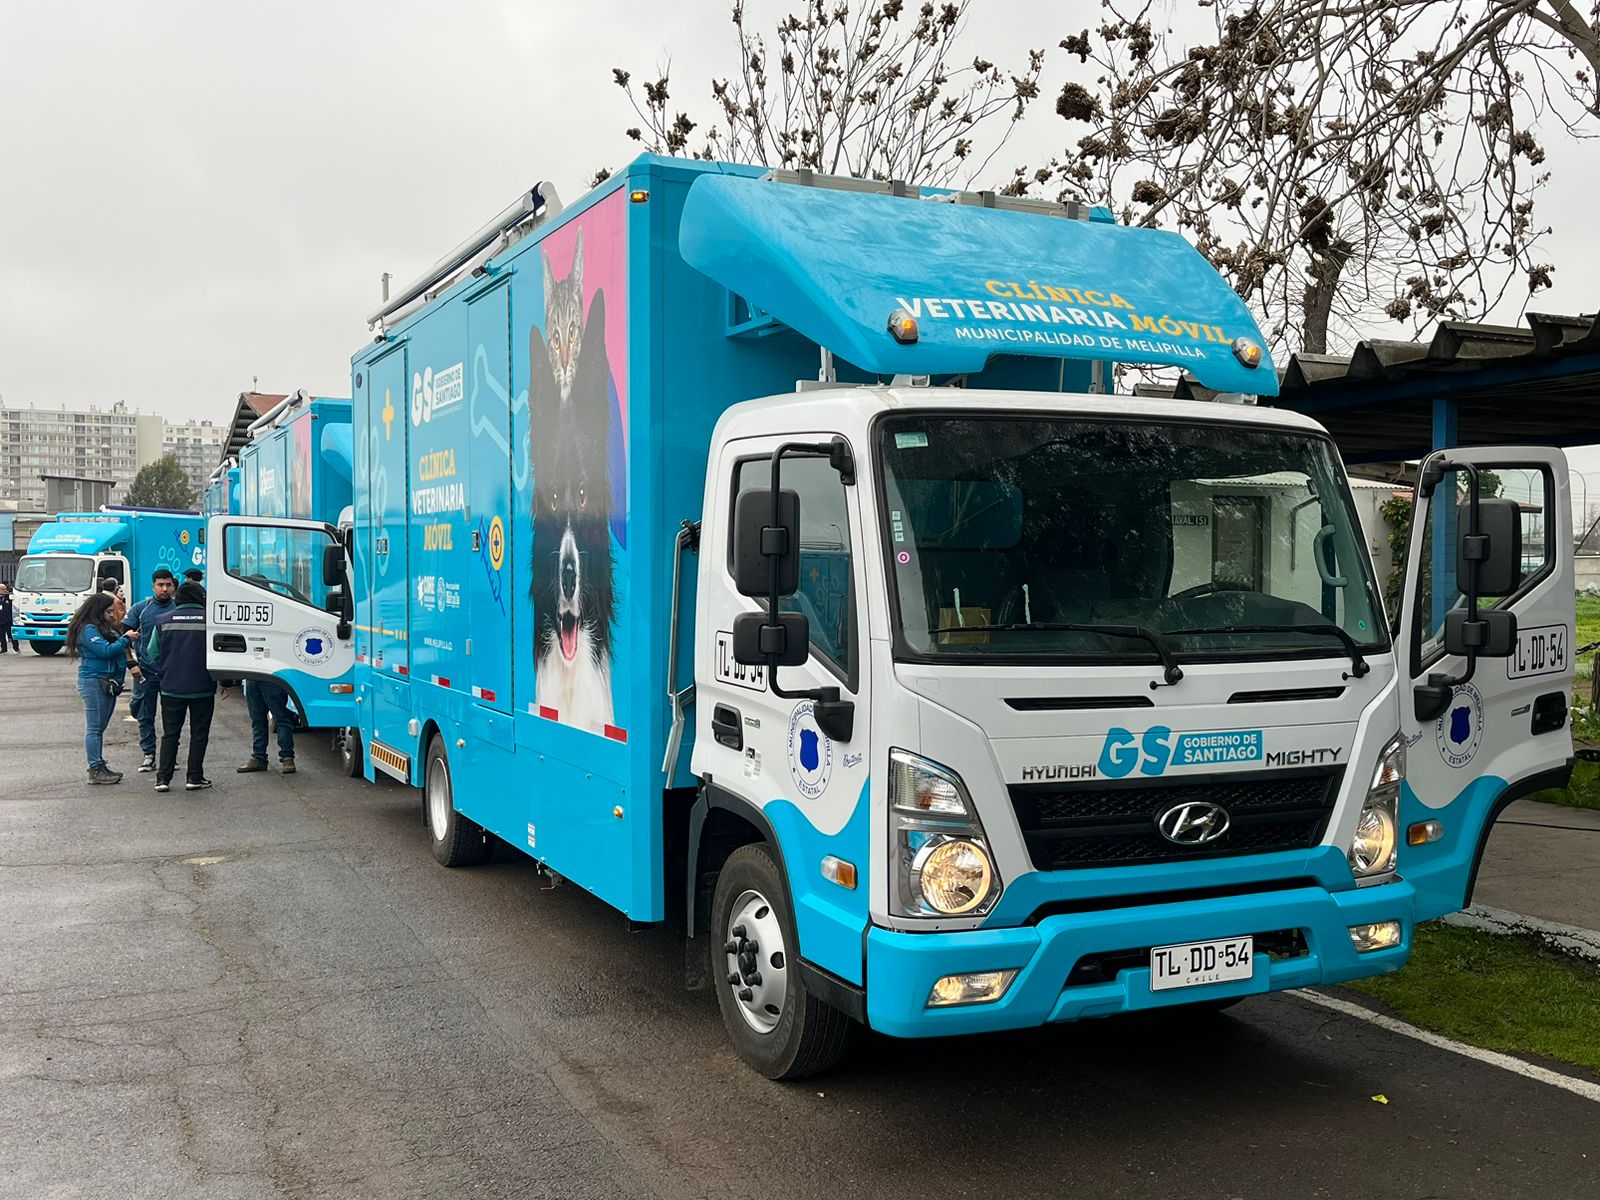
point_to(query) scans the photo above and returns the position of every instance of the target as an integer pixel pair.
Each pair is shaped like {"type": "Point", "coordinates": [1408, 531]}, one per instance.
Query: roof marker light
{"type": "Point", "coordinates": [638, 197]}
{"type": "Point", "coordinates": [903, 326]}
{"type": "Point", "coordinates": [1247, 351]}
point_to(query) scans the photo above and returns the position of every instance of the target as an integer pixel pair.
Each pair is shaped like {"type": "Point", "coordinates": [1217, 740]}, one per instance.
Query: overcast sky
{"type": "Point", "coordinates": [195, 194]}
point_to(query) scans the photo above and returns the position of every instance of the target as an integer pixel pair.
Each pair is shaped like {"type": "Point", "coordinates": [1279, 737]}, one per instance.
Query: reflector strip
{"type": "Point", "coordinates": [615, 734]}
{"type": "Point", "coordinates": [549, 714]}
{"type": "Point", "coordinates": [400, 670]}
{"type": "Point", "coordinates": [440, 680]}
{"type": "Point", "coordinates": [483, 693]}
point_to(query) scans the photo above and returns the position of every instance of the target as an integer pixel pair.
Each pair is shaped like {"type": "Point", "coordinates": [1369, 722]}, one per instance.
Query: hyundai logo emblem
{"type": "Point", "coordinates": [1194, 823]}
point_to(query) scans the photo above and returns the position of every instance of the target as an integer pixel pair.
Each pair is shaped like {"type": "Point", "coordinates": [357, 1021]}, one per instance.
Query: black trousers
{"type": "Point", "coordinates": [173, 710]}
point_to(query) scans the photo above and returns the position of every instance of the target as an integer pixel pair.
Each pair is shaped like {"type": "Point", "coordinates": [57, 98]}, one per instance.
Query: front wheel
{"type": "Point", "coordinates": [777, 1026]}
{"type": "Point", "coordinates": [456, 841]}
{"type": "Point", "coordinates": [46, 648]}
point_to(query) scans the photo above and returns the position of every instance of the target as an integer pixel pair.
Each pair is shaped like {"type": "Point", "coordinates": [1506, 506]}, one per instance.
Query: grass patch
{"type": "Point", "coordinates": [1498, 992]}
{"type": "Point", "coordinates": [1582, 792]}
{"type": "Point", "coordinates": [1588, 631]}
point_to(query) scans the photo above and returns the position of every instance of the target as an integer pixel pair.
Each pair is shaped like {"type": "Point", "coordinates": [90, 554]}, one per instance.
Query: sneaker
{"type": "Point", "coordinates": [130, 718]}
{"type": "Point", "coordinates": [255, 764]}
{"type": "Point", "coordinates": [100, 773]}
{"type": "Point", "coordinates": [286, 766]}
{"type": "Point", "coordinates": [163, 786]}
{"type": "Point", "coordinates": [197, 785]}
{"type": "Point", "coordinates": [149, 764]}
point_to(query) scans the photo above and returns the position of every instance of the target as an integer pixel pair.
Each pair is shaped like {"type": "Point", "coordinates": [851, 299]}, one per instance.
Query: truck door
{"type": "Point", "coordinates": [769, 751]}
{"type": "Point", "coordinates": [1503, 732]}
{"type": "Point", "coordinates": [263, 623]}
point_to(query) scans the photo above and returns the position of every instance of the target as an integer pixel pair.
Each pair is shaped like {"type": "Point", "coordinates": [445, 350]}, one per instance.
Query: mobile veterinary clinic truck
{"type": "Point", "coordinates": [68, 557]}
{"type": "Point", "coordinates": [764, 548]}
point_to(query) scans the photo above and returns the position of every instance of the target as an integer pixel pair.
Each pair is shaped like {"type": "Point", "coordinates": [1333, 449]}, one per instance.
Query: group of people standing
{"type": "Point", "coordinates": [161, 642]}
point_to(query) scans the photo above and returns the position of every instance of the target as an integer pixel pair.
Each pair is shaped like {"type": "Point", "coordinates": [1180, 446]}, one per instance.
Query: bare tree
{"type": "Point", "coordinates": [871, 90]}
{"type": "Point", "coordinates": [1338, 160]}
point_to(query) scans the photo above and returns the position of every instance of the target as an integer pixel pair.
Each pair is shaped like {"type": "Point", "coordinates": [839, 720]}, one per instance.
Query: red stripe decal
{"type": "Point", "coordinates": [549, 714]}
{"type": "Point", "coordinates": [485, 694]}
{"type": "Point", "coordinates": [401, 671]}
{"type": "Point", "coordinates": [615, 734]}
{"type": "Point", "coordinates": [444, 683]}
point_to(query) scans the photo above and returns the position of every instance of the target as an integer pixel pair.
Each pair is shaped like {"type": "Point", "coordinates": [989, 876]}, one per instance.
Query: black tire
{"type": "Point", "coordinates": [807, 1036]}
{"type": "Point", "coordinates": [46, 648]}
{"type": "Point", "coordinates": [456, 841]}
{"type": "Point", "coordinates": [347, 744]}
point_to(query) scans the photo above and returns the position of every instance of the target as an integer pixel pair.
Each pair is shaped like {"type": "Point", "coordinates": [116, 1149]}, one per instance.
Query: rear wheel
{"type": "Point", "coordinates": [777, 1026]}
{"type": "Point", "coordinates": [456, 841]}
{"type": "Point", "coordinates": [46, 648]}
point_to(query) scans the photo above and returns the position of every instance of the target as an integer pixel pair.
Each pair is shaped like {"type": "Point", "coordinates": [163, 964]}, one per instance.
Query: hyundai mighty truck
{"type": "Point", "coordinates": [68, 557]}
{"type": "Point", "coordinates": [765, 551]}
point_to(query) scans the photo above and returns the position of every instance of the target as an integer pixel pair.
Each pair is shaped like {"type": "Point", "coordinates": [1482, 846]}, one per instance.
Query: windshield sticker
{"type": "Point", "coordinates": [1460, 730]}
{"type": "Point", "coordinates": [1158, 748]}
{"type": "Point", "coordinates": [910, 441]}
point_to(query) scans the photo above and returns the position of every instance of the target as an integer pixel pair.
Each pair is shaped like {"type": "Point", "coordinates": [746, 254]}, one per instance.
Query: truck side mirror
{"type": "Point", "coordinates": [760, 642]}
{"type": "Point", "coordinates": [1492, 635]}
{"type": "Point", "coordinates": [333, 573]}
{"type": "Point", "coordinates": [1495, 553]}
{"type": "Point", "coordinates": [758, 544]}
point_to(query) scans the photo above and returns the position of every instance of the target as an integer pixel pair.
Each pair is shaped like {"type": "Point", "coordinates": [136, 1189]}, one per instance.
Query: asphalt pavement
{"type": "Point", "coordinates": [271, 989]}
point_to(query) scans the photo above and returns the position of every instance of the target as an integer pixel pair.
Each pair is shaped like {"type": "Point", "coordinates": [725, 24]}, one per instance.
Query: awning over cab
{"type": "Point", "coordinates": [76, 537]}
{"type": "Point", "coordinates": [835, 264]}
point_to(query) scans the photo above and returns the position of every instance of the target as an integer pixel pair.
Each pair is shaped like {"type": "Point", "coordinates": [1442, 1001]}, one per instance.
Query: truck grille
{"type": "Point", "coordinates": [1114, 824]}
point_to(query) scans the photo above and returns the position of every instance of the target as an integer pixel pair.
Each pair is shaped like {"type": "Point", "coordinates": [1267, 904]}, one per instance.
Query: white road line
{"type": "Point", "coordinates": [1578, 1087]}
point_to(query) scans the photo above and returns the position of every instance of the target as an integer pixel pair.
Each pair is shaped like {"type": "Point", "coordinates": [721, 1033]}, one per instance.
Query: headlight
{"type": "Point", "coordinates": [954, 876]}
{"type": "Point", "coordinates": [1372, 849]}
{"type": "Point", "coordinates": [942, 864]}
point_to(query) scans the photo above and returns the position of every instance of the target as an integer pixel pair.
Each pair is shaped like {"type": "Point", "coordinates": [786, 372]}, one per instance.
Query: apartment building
{"type": "Point", "coordinates": [101, 443]}
{"type": "Point", "coordinates": [198, 445]}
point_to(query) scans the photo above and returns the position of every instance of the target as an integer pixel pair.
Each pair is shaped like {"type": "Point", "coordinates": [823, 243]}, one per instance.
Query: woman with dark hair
{"type": "Point", "coordinates": [102, 650]}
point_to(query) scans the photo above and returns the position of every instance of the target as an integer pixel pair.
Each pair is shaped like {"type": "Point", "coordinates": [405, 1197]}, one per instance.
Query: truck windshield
{"type": "Point", "coordinates": [46, 573]}
{"type": "Point", "coordinates": [1011, 537]}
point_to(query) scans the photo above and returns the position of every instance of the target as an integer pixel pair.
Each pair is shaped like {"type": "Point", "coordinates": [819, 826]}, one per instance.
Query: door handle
{"type": "Point", "coordinates": [1550, 712]}
{"type": "Point", "coordinates": [228, 643]}
{"type": "Point", "coordinates": [727, 726]}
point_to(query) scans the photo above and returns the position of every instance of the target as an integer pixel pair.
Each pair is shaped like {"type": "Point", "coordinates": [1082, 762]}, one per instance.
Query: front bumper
{"type": "Point", "coordinates": [40, 633]}
{"type": "Point", "coordinates": [903, 967]}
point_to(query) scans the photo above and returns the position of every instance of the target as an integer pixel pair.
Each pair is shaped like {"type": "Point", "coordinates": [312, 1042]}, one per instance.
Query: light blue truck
{"type": "Point", "coordinates": [68, 556]}
{"type": "Point", "coordinates": [766, 551]}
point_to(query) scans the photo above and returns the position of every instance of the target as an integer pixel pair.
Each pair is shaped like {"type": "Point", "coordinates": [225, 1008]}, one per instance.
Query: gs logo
{"type": "Point", "coordinates": [1124, 750]}
{"type": "Point", "coordinates": [422, 396]}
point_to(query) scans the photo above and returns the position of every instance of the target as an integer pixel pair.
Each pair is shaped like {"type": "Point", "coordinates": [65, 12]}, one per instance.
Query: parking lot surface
{"type": "Point", "coordinates": [271, 989]}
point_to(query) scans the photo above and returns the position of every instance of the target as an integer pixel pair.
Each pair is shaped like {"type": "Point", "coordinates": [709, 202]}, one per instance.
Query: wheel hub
{"type": "Point", "coordinates": [757, 962]}
{"type": "Point", "coordinates": [438, 800]}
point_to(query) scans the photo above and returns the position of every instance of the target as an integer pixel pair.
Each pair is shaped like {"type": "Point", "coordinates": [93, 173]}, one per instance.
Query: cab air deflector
{"type": "Point", "coordinates": [833, 264]}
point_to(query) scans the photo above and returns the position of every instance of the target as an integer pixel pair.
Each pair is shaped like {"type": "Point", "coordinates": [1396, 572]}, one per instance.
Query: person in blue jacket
{"type": "Point", "coordinates": [177, 651]}
{"type": "Point", "coordinates": [102, 653]}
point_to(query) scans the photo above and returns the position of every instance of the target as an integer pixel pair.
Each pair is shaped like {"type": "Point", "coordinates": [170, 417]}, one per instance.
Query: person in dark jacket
{"type": "Point", "coordinates": [147, 680]}
{"type": "Point", "coordinates": [92, 635]}
{"type": "Point", "coordinates": [178, 653]}
{"type": "Point", "coordinates": [7, 641]}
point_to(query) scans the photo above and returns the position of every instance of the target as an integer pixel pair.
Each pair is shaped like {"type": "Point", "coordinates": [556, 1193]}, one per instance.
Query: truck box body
{"type": "Point", "coordinates": [553, 459]}
{"type": "Point", "coordinates": [297, 461]}
{"type": "Point", "coordinates": [68, 556]}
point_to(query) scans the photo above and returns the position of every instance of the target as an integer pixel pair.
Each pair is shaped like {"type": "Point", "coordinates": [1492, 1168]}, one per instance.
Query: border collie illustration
{"type": "Point", "coordinates": [570, 409]}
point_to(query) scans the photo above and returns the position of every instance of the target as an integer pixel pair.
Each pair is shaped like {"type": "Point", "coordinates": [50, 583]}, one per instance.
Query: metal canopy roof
{"type": "Point", "coordinates": [1539, 384]}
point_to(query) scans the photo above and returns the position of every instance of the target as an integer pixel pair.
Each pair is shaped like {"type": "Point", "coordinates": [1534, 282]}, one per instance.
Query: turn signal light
{"type": "Point", "coordinates": [1247, 351]}
{"type": "Point", "coordinates": [341, 689]}
{"type": "Point", "coordinates": [1424, 832]}
{"type": "Point", "coordinates": [836, 870]}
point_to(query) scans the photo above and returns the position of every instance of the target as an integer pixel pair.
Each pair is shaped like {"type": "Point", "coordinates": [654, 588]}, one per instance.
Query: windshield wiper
{"type": "Point", "coordinates": [1172, 673]}
{"type": "Point", "coordinates": [1358, 665]}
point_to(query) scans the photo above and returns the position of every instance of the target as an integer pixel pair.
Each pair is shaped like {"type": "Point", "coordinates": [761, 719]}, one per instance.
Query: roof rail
{"type": "Point", "coordinates": [534, 206]}
{"type": "Point", "coordinates": [804, 177]}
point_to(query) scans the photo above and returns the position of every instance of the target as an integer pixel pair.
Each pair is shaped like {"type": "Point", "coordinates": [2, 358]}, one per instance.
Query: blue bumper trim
{"type": "Point", "coordinates": [902, 967]}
